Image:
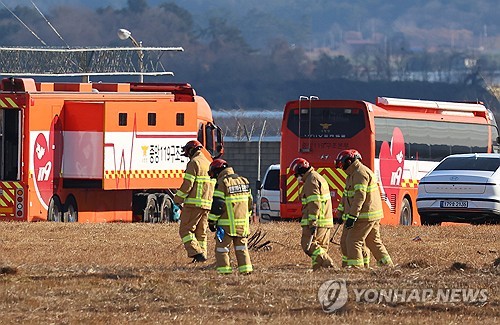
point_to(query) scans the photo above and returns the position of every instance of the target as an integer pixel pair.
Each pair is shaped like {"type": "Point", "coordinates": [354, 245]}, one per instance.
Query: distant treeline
{"type": "Point", "coordinates": [235, 66]}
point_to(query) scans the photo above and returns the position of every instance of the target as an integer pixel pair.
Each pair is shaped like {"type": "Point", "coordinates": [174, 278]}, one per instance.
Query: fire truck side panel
{"type": "Point", "coordinates": [138, 155]}
{"type": "Point", "coordinates": [83, 140]}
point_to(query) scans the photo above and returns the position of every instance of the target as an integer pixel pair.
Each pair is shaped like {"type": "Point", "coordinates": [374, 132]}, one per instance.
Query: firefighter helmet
{"type": "Point", "coordinates": [346, 157]}
{"type": "Point", "coordinates": [216, 167]}
{"type": "Point", "coordinates": [299, 166]}
{"type": "Point", "coordinates": [189, 149]}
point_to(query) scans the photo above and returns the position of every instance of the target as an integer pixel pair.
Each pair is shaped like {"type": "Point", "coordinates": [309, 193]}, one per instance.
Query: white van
{"type": "Point", "coordinates": [268, 199]}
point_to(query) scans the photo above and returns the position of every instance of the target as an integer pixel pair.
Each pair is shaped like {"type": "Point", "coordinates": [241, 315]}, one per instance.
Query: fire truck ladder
{"type": "Point", "coordinates": [85, 62]}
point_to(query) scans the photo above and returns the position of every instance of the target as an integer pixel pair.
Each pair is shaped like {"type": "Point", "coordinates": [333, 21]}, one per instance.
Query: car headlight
{"type": "Point", "coordinates": [264, 204]}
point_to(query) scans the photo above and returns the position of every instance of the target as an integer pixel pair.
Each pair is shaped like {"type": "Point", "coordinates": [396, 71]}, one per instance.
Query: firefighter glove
{"type": "Point", "coordinates": [349, 223]}
{"type": "Point", "coordinates": [176, 212]}
{"type": "Point", "coordinates": [212, 225]}
{"type": "Point", "coordinates": [338, 221]}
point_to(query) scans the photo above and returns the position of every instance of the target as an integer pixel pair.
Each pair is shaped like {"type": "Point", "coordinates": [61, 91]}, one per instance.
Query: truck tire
{"type": "Point", "coordinates": [405, 217]}
{"type": "Point", "coordinates": [55, 210]}
{"type": "Point", "coordinates": [70, 209]}
{"type": "Point", "coordinates": [166, 209]}
{"type": "Point", "coordinates": [151, 213]}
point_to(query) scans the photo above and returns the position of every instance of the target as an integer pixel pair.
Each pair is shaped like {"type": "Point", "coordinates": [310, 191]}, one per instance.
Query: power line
{"type": "Point", "coordinates": [48, 22]}
{"type": "Point", "coordinates": [19, 19]}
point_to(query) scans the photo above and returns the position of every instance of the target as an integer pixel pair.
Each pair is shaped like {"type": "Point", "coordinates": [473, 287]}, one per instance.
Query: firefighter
{"type": "Point", "coordinates": [195, 195]}
{"type": "Point", "coordinates": [361, 210]}
{"type": "Point", "coordinates": [230, 217]}
{"type": "Point", "coordinates": [317, 216]}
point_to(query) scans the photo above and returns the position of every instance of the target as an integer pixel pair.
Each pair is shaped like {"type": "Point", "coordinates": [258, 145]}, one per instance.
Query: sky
{"type": "Point", "coordinates": [47, 4]}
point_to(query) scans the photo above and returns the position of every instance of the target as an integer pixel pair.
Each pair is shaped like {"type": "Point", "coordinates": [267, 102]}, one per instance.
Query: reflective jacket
{"type": "Point", "coordinates": [361, 196]}
{"type": "Point", "coordinates": [236, 193]}
{"type": "Point", "coordinates": [197, 188]}
{"type": "Point", "coordinates": [316, 200]}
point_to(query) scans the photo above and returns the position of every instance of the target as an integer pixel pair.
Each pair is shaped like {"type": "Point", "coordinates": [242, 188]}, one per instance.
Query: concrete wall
{"type": "Point", "coordinates": [243, 157]}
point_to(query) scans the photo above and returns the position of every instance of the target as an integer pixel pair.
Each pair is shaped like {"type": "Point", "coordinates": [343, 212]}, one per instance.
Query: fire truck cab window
{"type": "Point", "coordinates": [209, 137]}
{"type": "Point", "coordinates": [326, 122]}
{"type": "Point", "coordinates": [179, 119]}
{"type": "Point", "coordinates": [151, 119]}
{"type": "Point", "coordinates": [122, 119]}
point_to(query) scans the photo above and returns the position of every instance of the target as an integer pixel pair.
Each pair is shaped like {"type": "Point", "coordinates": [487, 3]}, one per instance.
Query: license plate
{"type": "Point", "coordinates": [454, 204]}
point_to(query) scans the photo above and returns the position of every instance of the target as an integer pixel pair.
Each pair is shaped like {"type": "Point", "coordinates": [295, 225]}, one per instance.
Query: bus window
{"type": "Point", "coordinates": [326, 122]}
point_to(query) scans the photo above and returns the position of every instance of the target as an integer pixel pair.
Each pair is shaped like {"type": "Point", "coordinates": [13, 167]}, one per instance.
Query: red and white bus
{"type": "Point", "coordinates": [400, 139]}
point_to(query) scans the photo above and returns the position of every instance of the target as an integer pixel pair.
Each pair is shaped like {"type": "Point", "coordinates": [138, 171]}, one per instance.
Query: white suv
{"type": "Point", "coordinates": [268, 199]}
{"type": "Point", "coordinates": [461, 188]}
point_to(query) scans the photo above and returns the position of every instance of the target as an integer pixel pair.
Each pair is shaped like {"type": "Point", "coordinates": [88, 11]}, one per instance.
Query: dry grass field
{"type": "Point", "coordinates": [138, 274]}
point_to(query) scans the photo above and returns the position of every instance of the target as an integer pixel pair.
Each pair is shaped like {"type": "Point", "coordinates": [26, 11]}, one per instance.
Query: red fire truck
{"type": "Point", "coordinates": [400, 139]}
{"type": "Point", "coordinates": [97, 152]}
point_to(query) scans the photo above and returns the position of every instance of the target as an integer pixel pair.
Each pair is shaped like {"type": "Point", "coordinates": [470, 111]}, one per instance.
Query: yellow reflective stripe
{"type": "Point", "coordinates": [366, 260]}
{"type": "Point", "coordinates": [316, 197]}
{"type": "Point", "coordinates": [197, 202]}
{"type": "Point", "coordinates": [219, 193]}
{"type": "Point", "coordinates": [245, 268]}
{"type": "Point", "coordinates": [224, 269]}
{"type": "Point", "coordinates": [213, 217]}
{"type": "Point", "coordinates": [360, 187]}
{"type": "Point", "coordinates": [304, 222]}
{"type": "Point", "coordinates": [187, 238]}
{"type": "Point", "coordinates": [181, 194]}
{"type": "Point", "coordinates": [385, 260]}
{"type": "Point", "coordinates": [237, 198]}
{"type": "Point", "coordinates": [189, 177]}
{"type": "Point", "coordinates": [348, 193]}
{"type": "Point", "coordinates": [227, 222]}
{"type": "Point", "coordinates": [344, 258]}
{"type": "Point", "coordinates": [355, 262]}
{"type": "Point", "coordinates": [315, 254]}
{"type": "Point", "coordinates": [325, 222]}
{"type": "Point", "coordinates": [204, 179]}
{"type": "Point", "coordinates": [371, 214]}
{"type": "Point", "coordinates": [340, 207]}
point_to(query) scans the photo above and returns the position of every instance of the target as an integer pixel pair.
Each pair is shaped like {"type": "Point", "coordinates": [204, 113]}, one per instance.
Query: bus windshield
{"type": "Point", "coordinates": [326, 122]}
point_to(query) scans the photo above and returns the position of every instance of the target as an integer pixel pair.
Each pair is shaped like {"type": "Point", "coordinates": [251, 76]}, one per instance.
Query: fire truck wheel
{"type": "Point", "coordinates": [70, 210]}
{"type": "Point", "coordinates": [406, 217]}
{"type": "Point", "coordinates": [166, 209]}
{"type": "Point", "coordinates": [55, 211]}
{"type": "Point", "coordinates": [151, 213]}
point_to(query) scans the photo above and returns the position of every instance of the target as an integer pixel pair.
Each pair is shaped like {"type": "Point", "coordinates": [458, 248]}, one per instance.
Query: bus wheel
{"type": "Point", "coordinates": [151, 211]}
{"type": "Point", "coordinates": [55, 211]}
{"type": "Point", "coordinates": [166, 209]}
{"type": "Point", "coordinates": [406, 217]}
{"type": "Point", "coordinates": [70, 210]}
